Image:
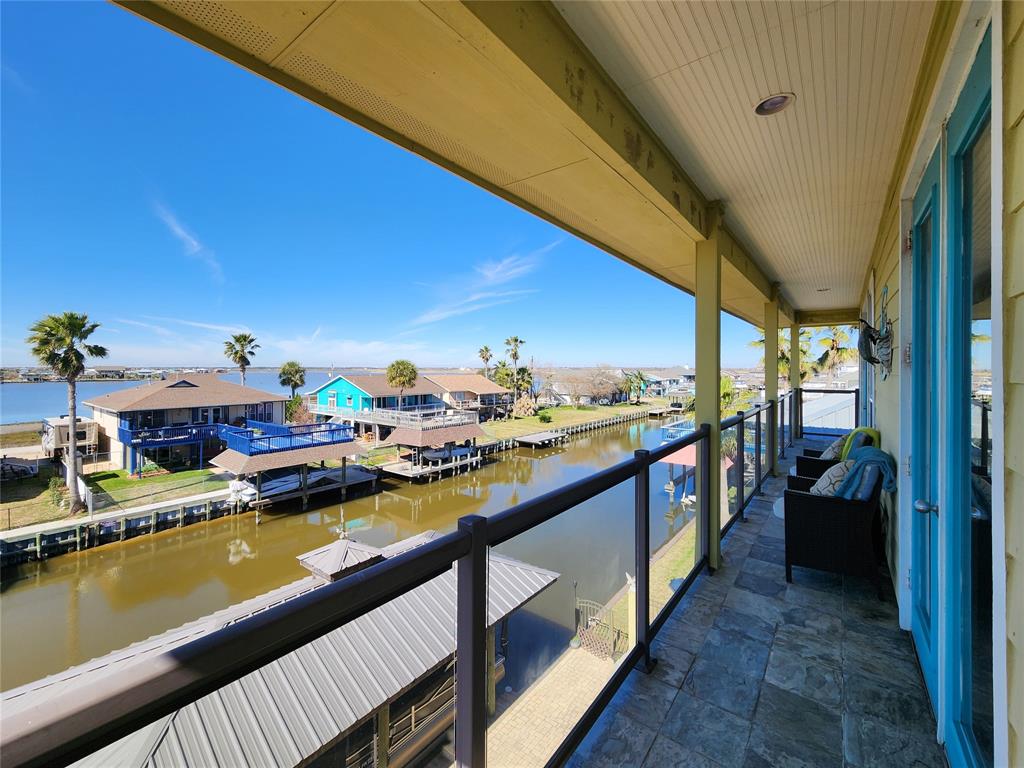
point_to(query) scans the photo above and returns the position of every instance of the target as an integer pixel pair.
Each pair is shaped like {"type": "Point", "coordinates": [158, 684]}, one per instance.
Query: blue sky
{"type": "Point", "coordinates": [185, 199]}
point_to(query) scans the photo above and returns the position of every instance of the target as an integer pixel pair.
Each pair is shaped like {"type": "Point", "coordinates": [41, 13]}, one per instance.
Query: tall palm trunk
{"type": "Point", "coordinates": [241, 371]}
{"type": "Point", "coordinates": [71, 460]}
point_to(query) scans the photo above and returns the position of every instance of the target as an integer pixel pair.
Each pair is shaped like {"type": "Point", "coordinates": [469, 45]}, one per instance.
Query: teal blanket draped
{"type": "Point", "coordinates": [864, 458]}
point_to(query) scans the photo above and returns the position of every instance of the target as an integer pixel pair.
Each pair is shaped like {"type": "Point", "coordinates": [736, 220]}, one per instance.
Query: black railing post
{"type": "Point", "coordinates": [705, 494]}
{"type": "Point", "coordinates": [471, 648]}
{"type": "Point", "coordinates": [984, 440]}
{"type": "Point", "coordinates": [758, 468]}
{"type": "Point", "coordinates": [642, 526]}
{"type": "Point", "coordinates": [798, 412]}
{"type": "Point", "coordinates": [773, 437]}
{"type": "Point", "coordinates": [856, 407]}
{"type": "Point", "coordinates": [781, 421]}
{"type": "Point", "coordinates": [740, 463]}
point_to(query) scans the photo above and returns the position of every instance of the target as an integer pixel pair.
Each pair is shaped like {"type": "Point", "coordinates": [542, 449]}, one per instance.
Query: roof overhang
{"type": "Point", "coordinates": [502, 94]}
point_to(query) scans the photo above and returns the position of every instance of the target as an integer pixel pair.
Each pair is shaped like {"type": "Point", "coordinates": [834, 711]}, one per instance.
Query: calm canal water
{"type": "Point", "coordinates": [60, 612]}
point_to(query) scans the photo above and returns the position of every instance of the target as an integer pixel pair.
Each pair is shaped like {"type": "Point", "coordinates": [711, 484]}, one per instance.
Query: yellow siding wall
{"type": "Point", "coordinates": [885, 261]}
{"type": "Point", "coordinates": [1013, 363]}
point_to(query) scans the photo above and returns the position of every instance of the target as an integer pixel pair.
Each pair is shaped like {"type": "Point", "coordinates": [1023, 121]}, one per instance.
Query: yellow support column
{"type": "Point", "coordinates": [771, 379]}
{"type": "Point", "coordinates": [709, 363]}
{"type": "Point", "coordinates": [794, 375]}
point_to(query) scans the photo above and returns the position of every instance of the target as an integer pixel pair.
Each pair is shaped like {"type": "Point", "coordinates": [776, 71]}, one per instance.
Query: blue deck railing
{"type": "Point", "coordinates": [155, 437]}
{"type": "Point", "coordinates": [261, 437]}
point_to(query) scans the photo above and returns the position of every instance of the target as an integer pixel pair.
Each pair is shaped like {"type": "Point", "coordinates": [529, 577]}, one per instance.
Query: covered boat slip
{"type": "Point", "coordinates": [279, 466]}
{"type": "Point", "coordinates": [429, 453]}
{"type": "Point", "coordinates": [320, 701]}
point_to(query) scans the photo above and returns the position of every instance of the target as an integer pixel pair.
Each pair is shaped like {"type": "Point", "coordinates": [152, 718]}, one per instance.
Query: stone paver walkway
{"type": "Point", "coordinates": [755, 672]}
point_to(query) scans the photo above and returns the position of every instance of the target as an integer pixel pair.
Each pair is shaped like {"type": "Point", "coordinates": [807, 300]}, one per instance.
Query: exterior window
{"type": "Point", "coordinates": [348, 400]}
{"type": "Point", "coordinates": [332, 399]}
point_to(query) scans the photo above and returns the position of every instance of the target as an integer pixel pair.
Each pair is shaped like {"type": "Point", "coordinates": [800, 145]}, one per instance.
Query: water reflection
{"type": "Point", "coordinates": [60, 612]}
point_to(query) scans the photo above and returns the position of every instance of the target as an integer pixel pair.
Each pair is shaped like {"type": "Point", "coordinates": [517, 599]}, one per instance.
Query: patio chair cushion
{"type": "Point", "coordinates": [869, 477]}
{"type": "Point", "coordinates": [831, 479]}
{"type": "Point", "coordinates": [834, 449]}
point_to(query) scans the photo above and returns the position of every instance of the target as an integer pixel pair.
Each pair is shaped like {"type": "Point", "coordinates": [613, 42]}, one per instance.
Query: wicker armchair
{"type": "Point", "coordinates": [832, 534]}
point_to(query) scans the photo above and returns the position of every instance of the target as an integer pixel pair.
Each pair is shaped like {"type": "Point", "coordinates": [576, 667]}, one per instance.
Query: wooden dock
{"type": "Point", "coordinates": [542, 439]}
{"type": "Point", "coordinates": [433, 469]}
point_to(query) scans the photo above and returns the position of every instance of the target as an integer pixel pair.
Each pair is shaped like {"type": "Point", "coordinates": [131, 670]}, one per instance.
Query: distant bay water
{"type": "Point", "coordinates": [32, 402]}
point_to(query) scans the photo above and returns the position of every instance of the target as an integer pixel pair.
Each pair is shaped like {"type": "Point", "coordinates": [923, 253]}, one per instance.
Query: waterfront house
{"type": "Point", "coordinates": [371, 406]}
{"type": "Point", "coordinates": [174, 421]}
{"type": "Point", "coordinates": [872, 160]}
{"type": "Point", "coordinates": [471, 391]}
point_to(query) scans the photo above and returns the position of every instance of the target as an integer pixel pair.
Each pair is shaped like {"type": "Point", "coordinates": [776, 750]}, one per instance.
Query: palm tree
{"type": "Point", "coordinates": [485, 356]}
{"type": "Point", "coordinates": [238, 349]}
{"type": "Point", "coordinates": [59, 342]}
{"type": "Point", "coordinates": [401, 375]}
{"type": "Point", "coordinates": [292, 375]}
{"type": "Point", "coordinates": [726, 394]}
{"type": "Point", "coordinates": [785, 356]}
{"type": "Point", "coordinates": [639, 382]}
{"type": "Point", "coordinates": [513, 343]}
{"type": "Point", "coordinates": [835, 354]}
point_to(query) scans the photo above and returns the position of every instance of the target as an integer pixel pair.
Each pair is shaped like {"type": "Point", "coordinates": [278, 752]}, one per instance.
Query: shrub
{"type": "Point", "coordinates": [544, 418]}
{"type": "Point", "coordinates": [149, 466]}
{"type": "Point", "coordinates": [56, 490]}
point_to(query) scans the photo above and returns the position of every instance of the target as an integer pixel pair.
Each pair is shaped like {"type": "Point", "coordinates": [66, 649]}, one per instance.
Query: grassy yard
{"type": "Point", "coordinates": [18, 439]}
{"type": "Point", "coordinates": [27, 501]}
{"type": "Point", "coordinates": [128, 491]}
{"type": "Point", "coordinates": [561, 416]}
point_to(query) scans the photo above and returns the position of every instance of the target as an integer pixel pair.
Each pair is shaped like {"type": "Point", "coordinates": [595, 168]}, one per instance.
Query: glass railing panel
{"type": "Point", "coordinates": [828, 411]}
{"type": "Point", "coordinates": [564, 643]}
{"type": "Point", "coordinates": [729, 478]}
{"type": "Point", "coordinates": [750, 448]}
{"type": "Point", "coordinates": [676, 524]}
{"type": "Point", "coordinates": [765, 419]}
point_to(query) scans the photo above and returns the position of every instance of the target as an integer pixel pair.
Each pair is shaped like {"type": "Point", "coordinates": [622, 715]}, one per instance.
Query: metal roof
{"type": "Point", "coordinates": [240, 464]}
{"type": "Point", "coordinates": [339, 558]}
{"type": "Point", "coordinates": [297, 705]}
{"type": "Point", "coordinates": [467, 382]}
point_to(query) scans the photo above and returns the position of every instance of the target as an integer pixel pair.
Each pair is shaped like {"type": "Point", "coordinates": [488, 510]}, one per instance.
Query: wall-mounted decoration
{"type": "Point", "coordinates": [875, 344]}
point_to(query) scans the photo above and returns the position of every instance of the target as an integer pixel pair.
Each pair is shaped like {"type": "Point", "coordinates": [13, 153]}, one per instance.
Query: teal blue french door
{"type": "Point", "coordinates": [967, 518]}
{"type": "Point", "coordinates": [924, 454]}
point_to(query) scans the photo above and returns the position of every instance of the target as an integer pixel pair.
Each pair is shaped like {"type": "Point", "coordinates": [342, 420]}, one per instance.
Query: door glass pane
{"type": "Point", "coordinates": [978, 232]}
{"type": "Point", "coordinates": [923, 428]}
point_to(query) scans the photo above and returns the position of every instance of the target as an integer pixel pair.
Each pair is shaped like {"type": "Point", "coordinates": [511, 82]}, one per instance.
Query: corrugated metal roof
{"type": "Point", "coordinates": [289, 709]}
{"type": "Point", "coordinates": [331, 560]}
{"type": "Point", "coordinates": [239, 464]}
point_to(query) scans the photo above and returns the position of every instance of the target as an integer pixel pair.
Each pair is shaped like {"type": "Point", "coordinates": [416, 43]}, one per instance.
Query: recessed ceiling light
{"type": "Point", "coordinates": [823, 290]}
{"type": "Point", "coordinates": [774, 104]}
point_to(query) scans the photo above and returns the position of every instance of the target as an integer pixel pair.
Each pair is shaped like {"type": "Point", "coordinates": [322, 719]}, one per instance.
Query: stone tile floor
{"type": "Point", "coordinates": [755, 672]}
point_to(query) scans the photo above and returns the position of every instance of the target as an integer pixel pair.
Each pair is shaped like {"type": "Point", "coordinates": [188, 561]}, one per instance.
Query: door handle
{"type": "Point", "coordinates": [924, 507]}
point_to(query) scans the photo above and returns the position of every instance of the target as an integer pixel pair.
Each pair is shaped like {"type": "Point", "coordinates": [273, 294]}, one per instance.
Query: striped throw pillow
{"type": "Point", "coordinates": [834, 450]}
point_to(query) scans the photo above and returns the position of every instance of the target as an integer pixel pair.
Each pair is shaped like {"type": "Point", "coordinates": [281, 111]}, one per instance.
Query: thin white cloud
{"type": "Point", "coordinates": [474, 303]}
{"type": "Point", "coordinates": [487, 276]}
{"type": "Point", "coordinates": [11, 76]}
{"type": "Point", "coordinates": [205, 326]}
{"type": "Point", "coordinates": [192, 245]}
{"type": "Point", "coordinates": [157, 329]}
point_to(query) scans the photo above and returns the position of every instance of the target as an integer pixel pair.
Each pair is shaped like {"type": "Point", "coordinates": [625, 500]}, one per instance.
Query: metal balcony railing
{"type": "Point", "coordinates": [130, 698]}
{"type": "Point", "coordinates": [161, 436]}
{"type": "Point", "coordinates": [414, 417]}
{"type": "Point", "coordinates": [261, 437]}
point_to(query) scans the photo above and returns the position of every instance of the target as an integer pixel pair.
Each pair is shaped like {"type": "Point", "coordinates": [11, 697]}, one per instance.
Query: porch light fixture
{"type": "Point", "coordinates": [774, 103]}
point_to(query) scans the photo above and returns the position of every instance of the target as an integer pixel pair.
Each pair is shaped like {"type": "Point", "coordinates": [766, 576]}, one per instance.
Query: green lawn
{"type": "Point", "coordinates": [18, 439]}
{"type": "Point", "coordinates": [561, 416]}
{"type": "Point", "coordinates": [127, 490]}
{"type": "Point", "coordinates": [27, 501]}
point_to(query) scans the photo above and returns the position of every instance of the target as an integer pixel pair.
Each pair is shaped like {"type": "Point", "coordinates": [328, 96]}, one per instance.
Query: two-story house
{"type": "Point", "coordinates": [471, 391]}
{"type": "Point", "coordinates": [175, 421]}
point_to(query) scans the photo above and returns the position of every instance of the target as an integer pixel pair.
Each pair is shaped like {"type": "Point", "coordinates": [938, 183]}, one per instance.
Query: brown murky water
{"type": "Point", "coordinates": [60, 612]}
